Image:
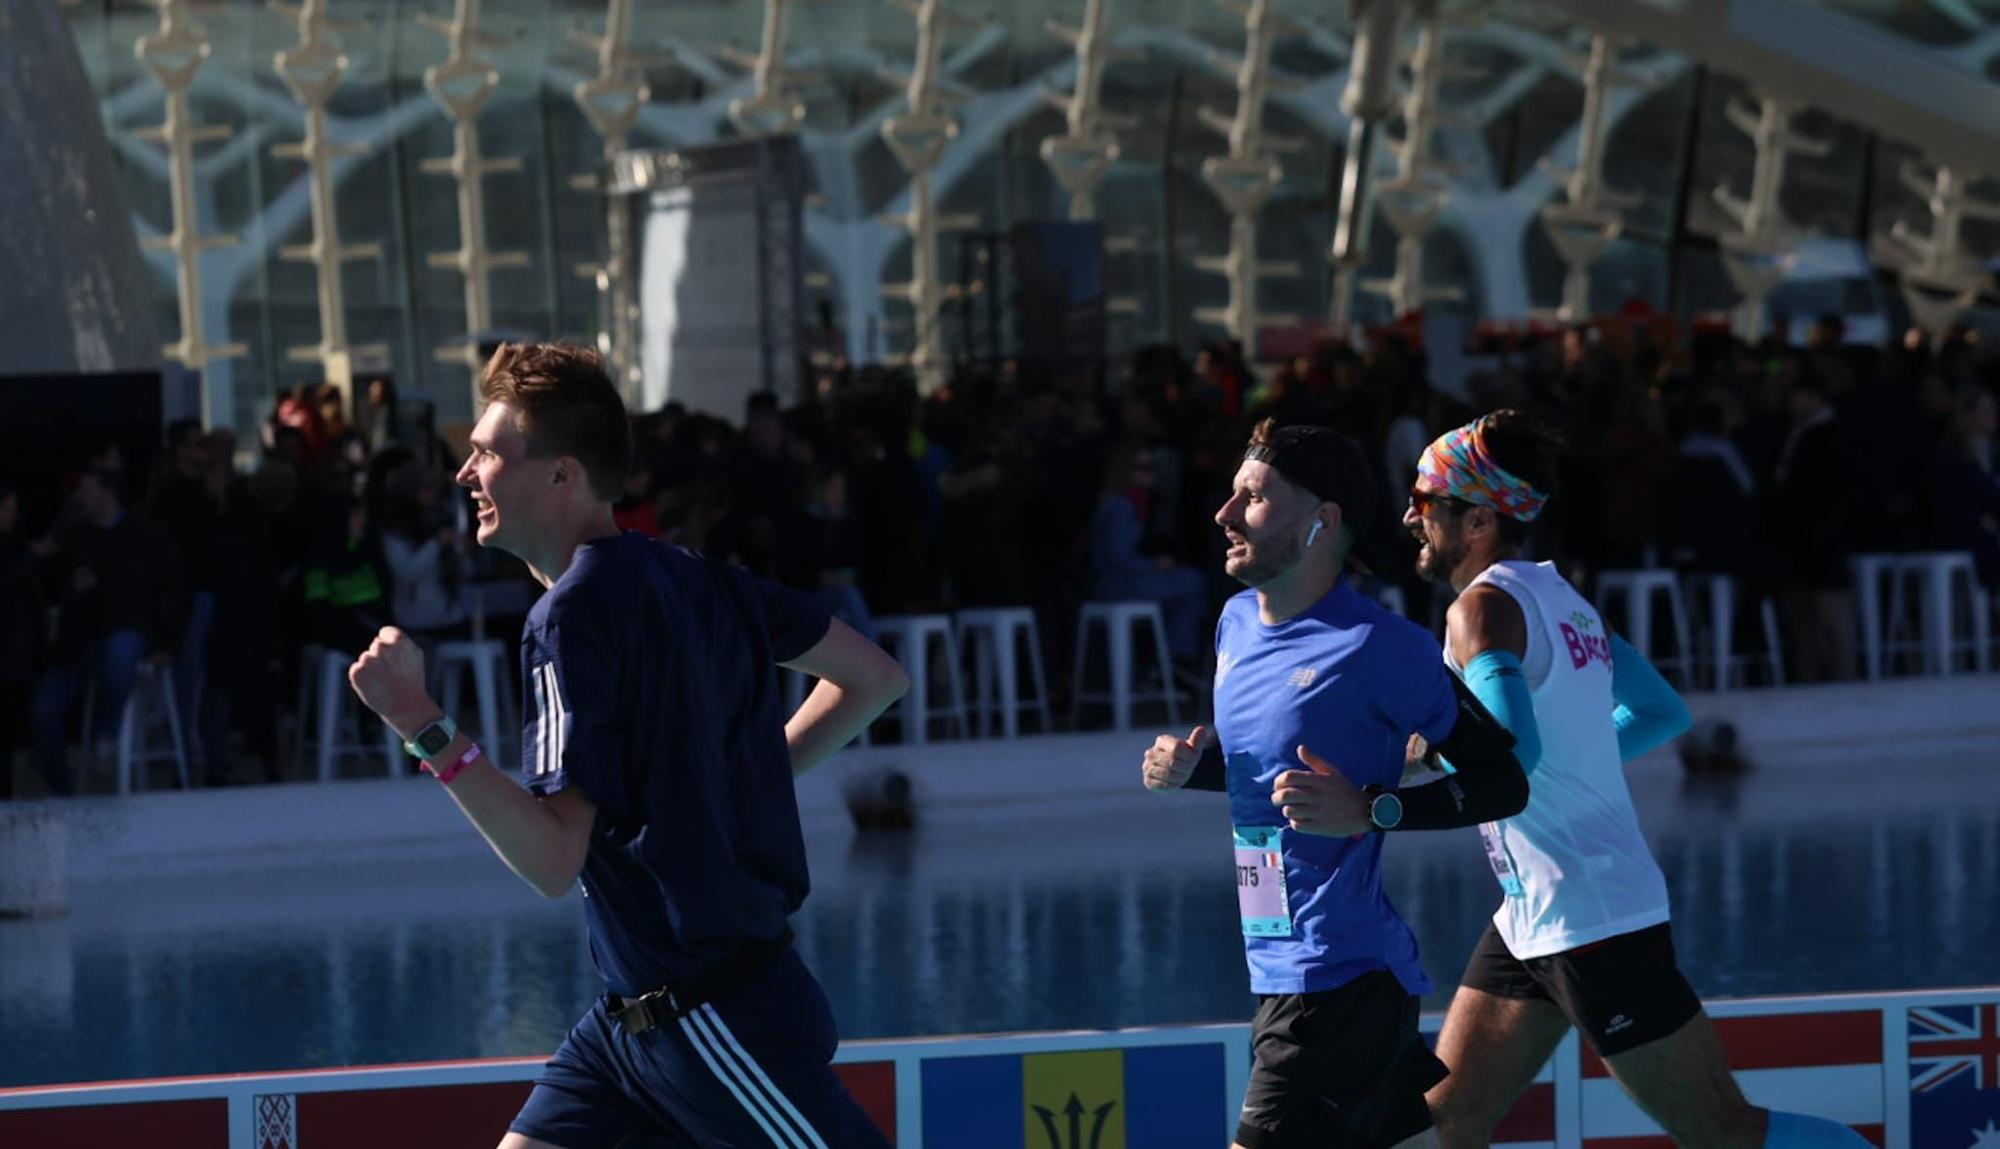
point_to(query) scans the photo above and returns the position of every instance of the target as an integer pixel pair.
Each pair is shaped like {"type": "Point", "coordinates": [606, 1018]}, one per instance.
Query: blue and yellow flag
{"type": "Point", "coordinates": [1155, 1097]}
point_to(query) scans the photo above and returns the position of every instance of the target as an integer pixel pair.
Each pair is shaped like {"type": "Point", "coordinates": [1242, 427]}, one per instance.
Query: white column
{"type": "Point", "coordinates": [1412, 201]}
{"type": "Point", "coordinates": [1588, 223]}
{"type": "Point", "coordinates": [1940, 281]}
{"type": "Point", "coordinates": [1088, 145]}
{"type": "Point", "coordinates": [173, 55]}
{"type": "Point", "coordinates": [1367, 100]}
{"type": "Point", "coordinates": [773, 108]}
{"type": "Point", "coordinates": [313, 69]}
{"type": "Point", "coordinates": [1758, 257]}
{"type": "Point", "coordinates": [461, 85]}
{"type": "Point", "coordinates": [918, 138]}
{"type": "Point", "coordinates": [611, 101]}
{"type": "Point", "coordinates": [1244, 178]}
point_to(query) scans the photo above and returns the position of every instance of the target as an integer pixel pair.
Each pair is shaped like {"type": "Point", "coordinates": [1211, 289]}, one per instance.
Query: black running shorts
{"type": "Point", "coordinates": [1344, 1068]}
{"type": "Point", "coordinates": [1620, 993]}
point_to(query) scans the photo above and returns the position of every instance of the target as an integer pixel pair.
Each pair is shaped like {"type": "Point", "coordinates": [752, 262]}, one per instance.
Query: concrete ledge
{"type": "Point", "coordinates": [1852, 740]}
{"type": "Point", "coordinates": [34, 859]}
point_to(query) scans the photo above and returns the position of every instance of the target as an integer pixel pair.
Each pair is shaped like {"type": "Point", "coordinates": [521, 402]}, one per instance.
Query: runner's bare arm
{"type": "Point", "coordinates": [858, 681]}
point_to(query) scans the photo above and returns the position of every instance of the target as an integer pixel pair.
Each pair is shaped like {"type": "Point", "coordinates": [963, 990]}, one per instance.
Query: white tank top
{"type": "Point", "coordinates": [1574, 865]}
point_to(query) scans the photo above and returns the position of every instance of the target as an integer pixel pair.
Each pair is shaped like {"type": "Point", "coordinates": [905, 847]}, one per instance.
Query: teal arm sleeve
{"type": "Point", "coordinates": [1647, 712]}
{"type": "Point", "coordinates": [1494, 677]}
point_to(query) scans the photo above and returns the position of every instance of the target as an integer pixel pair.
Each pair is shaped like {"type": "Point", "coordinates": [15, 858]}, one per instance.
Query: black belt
{"type": "Point", "coordinates": [639, 1014]}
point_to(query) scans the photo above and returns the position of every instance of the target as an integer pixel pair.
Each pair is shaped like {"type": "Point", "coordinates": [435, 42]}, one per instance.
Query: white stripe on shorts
{"type": "Point", "coordinates": [758, 1107]}
{"type": "Point", "coordinates": [715, 1019]}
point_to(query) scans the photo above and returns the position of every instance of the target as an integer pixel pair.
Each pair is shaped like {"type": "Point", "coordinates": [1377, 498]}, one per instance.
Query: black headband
{"type": "Point", "coordinates": [1326, 463]}
{"type": "Point", "coordinates": [1302, 455]}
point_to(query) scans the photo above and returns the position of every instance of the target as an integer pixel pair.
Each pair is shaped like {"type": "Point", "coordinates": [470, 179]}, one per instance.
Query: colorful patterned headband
{"type": "Point", "coordinates": [1459, 465]}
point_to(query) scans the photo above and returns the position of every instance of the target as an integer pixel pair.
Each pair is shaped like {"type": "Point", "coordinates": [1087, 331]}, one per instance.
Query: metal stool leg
{"type": "Point", "coordinates": [1121, 673]}
{"type": "Point", "coordinates": [329, 714]}
{"type": "Point", "coordinates": [954, 681]}
{"type": "Point", "coordinates": [1077, 667]}
{"type": "Point", "coordinates": [1041, 680]}
{"type": "Point", "coordinates": [174, 730]}
{"type": "Point", "coordinates": [1166, 659]}
{"type": "Point", "coordinates": [1008, 674]}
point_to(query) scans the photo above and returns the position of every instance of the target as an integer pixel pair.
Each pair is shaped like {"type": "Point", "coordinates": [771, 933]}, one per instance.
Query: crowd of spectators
{"type": "Point", "coordinates": [1013, 487]}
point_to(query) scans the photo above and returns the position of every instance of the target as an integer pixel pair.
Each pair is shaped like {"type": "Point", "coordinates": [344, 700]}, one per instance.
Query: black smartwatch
{"type": "Point", "coordinates": [1385, 809]}
{"type": "Point", "coordinates": [431, 740]}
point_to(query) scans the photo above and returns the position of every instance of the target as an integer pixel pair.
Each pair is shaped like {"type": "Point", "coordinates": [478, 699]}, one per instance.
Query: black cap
{"type": "Point", "coordinates": [1330, 465]}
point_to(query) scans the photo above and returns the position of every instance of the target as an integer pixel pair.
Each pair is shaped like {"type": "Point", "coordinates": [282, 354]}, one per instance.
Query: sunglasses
{"type": "Point", "coordinates": [1424, 500]}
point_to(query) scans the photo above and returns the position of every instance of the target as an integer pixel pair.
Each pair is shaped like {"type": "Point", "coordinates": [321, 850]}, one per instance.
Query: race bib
{"type": "Point", "coordinates": [1260, 882]}
{"type": "Point", "coordinates": [1502, 862]}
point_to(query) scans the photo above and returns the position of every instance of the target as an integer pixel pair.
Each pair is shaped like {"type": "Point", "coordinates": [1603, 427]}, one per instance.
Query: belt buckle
{"type": "Point", "coordinates": [640, 1014]}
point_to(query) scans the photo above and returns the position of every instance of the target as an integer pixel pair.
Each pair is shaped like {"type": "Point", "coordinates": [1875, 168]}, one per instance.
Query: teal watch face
{"type": "Point", "coordinates": [1386, 811]}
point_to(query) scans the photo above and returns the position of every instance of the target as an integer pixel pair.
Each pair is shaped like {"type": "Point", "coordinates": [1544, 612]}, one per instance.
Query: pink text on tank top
{"type": "Point", "coordinates": [1585, 648]}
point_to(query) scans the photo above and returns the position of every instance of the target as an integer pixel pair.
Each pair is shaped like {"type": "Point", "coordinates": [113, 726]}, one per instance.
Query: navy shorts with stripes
{"type": "Point", "coordinates": [750, 1070]}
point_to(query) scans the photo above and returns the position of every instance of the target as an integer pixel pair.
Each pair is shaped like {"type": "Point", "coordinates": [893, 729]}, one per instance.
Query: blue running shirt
{"type": "Point", "coordinates": [1351, 681]}
{"type": "Point", "coordinates": [652, 686]}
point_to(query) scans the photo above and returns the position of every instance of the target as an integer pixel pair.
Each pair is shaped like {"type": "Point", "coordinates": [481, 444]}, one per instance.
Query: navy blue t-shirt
{"type": "Point", "coordinates": [651, 680]}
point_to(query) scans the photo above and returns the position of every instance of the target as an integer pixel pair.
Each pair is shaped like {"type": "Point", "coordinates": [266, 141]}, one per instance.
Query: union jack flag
{"type": "Point", "coordinates": [1954, 1047]}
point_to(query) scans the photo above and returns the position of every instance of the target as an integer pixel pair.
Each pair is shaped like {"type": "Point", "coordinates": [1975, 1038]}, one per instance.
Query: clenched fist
{"type": "Point", "coordinates": [389, 678]}
{"type": "Point", "coordinates": [1170, 760]}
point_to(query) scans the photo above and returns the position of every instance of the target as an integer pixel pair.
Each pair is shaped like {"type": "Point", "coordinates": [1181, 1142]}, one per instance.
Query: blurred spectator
{"type": "Point", "coordinates": [883, 482]}
{"type": "Point", "coordinates": [766, 480]}
{"type": "Point", "coordinates": [982, 532]}
{"type": "Point", "coordinates": [298, 413]}
{"type": "Point", "coordinates": [821, 551]}
{"type": "Point", "coordinates": [1637, 468]}
{"type": "Point", "coordinates": [381, 418]}
{"type": "Point", "coordinates": [345, 584]}
{"type": "Point", "coordinates": [1809, 519]}
{"type": "Point", "coordinates": [422, 553]}
{"type": "Point", "coordinates": [1121, 570]}
{"type": "Point", "coordinates": [185, 504]}
{"type": "Point", "coordinates": [247, 647]}
{"type": "Point", "coordinates": [121, 597]}
{"type": "Point", "coordinates": [22, 625]}
{"type": "Point", "coordinates": [637, 509]}
{"type": "Point", "coordinates": [1715, 520]}
{"type": "Point", "coordinates": [1966, 508]}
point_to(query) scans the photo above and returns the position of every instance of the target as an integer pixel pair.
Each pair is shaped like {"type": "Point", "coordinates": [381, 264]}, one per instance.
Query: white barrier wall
{"type": "Point", "coordinates": [1907, 1070]}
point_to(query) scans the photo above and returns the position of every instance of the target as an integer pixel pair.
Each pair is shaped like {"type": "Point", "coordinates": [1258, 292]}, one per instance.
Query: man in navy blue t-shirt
{"type": "Point", "coordinates": [659, 769]}
{"type": "Point", "coordinates": [1317, 692]}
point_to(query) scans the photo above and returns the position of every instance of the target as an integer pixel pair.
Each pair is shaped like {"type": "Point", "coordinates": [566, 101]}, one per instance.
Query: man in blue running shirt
{"type": "Point", "coordinates": [659, 775]}
{"type": "Point", "coordinates": [1317, 692]}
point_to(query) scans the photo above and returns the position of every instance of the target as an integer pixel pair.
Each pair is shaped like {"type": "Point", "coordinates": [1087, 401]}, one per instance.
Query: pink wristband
{"type": "Point", "coordinates": [444, 776]}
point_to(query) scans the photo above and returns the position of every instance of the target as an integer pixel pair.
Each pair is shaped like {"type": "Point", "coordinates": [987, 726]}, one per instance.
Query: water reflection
{"type": "Point", "coordinates": [1058, 922]}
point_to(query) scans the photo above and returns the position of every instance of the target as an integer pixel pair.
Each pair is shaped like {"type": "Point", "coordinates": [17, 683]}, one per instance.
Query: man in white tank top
{"type": "Point", "coordinates": [1581, 936]}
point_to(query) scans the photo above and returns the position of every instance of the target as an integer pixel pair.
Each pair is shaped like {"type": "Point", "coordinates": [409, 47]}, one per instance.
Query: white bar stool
{"type": "Point", "coordinates": [332, 707]}
{"type": "Point", "coordinates": [1638, 587]}
{"type": "Point", "coordinates": [152, 692]}
{"type": "Point", "coordinates": [1868, 571]}
{"type": "Point", "coordinates": [1937, 576]}
{"type": "Point", "coordinates": [912, 636]}
{"type": "Point", "coordinates": [1118, 620]}
{"type": "Point", "coordinates": [1717, 638]}
{"type": "Point", "coordinates": [992, 635]}
{"type": "Point", "coordinates": [486, 659]}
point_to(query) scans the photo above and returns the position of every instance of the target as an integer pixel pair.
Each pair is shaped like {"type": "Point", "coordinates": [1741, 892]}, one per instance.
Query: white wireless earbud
{"type": "Point", "coordinates": [1314, 533]}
